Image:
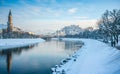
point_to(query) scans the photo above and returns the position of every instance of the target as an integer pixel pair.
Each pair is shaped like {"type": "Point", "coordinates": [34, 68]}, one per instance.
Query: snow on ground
{"type": "Point", "coordinates": [14, 43]}
{"type": "Point", "coordinates": [94, 57]}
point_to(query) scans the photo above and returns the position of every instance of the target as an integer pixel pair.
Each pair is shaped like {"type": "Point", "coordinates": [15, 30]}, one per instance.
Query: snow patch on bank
{"type": "Point", "coordinates": [94, 57]}
{"type": "Point", "coordinates": [14, 43]}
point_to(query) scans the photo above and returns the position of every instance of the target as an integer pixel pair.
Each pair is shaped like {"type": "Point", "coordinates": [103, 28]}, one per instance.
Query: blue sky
{"type": "Point", "coordinates": [50, 15]}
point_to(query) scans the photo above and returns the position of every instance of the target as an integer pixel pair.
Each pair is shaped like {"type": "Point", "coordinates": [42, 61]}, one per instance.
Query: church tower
{"type": "Point", "coordinates": [9, 23]}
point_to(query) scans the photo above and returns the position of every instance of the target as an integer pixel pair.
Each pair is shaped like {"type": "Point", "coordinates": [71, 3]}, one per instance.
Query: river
{"type": "Point", "coordinates": [38, 59]}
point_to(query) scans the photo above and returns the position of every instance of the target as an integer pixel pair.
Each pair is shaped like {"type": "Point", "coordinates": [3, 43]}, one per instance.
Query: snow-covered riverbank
{"type": "Point", "coordinates": [94, 57]}
{"type": "Point", "coordinates": [14, 43]}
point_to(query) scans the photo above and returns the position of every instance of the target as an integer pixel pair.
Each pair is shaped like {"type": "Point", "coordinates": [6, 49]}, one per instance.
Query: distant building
{"type": "Point", "coordinates": [7, 32]}
{"type": "Point", "coordinates": [10, 23]}
{"type": "Point", "coordinates": [14, 32]}
{"type": "Point", "coordinates": [70, 30]}
{"type": "Point", "coordinates": [2, 26]}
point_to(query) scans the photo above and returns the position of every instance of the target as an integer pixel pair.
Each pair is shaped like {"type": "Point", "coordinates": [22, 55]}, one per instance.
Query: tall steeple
{"type": "Point", "coordinates": [10, 12]}
{"type": "Point", "coordinates": [10, 23]}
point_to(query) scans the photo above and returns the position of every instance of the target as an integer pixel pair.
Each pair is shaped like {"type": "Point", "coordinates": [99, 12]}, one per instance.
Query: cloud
{"type": "Point", "coordinates": [56, 24]}
{"type": "Point", "coordinates": [39, 10]}
{"type": "Point", "coordinates": [73, 10]}
{"type": "Point", "coordinates": [52, 14]}
{"type": "Point", "coordinates": [81, 17]}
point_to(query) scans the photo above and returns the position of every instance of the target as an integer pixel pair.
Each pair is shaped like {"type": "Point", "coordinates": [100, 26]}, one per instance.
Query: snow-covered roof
{"type": "Point", "coordinates": [2, 26]}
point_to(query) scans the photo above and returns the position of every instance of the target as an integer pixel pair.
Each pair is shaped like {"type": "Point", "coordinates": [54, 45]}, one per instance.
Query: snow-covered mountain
{"type": "Point", "coordinates": [70, 30]}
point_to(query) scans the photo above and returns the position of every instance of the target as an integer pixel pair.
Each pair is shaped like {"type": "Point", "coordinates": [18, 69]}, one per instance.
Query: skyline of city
{"type": "Point", "coordinates": [50, 15]}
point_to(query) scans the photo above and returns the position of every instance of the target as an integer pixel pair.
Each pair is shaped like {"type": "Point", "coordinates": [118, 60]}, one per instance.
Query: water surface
{"type": "Point", "coordinates": [38, 59]}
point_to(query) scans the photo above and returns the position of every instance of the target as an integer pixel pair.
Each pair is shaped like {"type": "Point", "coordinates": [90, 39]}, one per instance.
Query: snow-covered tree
{"type": "Point", "coordinates": [109, 26]}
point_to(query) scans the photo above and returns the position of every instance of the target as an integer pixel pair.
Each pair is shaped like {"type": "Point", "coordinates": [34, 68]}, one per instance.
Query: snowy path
{"type": "Point", "coordinates": [13, 43]}
{"type": "Point", "coordinates": [94, 57]}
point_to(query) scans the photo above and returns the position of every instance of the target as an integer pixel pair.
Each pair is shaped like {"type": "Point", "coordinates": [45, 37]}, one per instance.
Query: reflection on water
{"type": "Point", "coordinates": [37, 59]}
{"type": "Point", "coordinates": [8, 54]}
{"type": "Point", "coordinates": [9, 61]}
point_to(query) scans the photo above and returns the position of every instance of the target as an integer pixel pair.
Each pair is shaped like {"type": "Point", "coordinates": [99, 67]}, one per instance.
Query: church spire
{"type": "Point", "coordinates": [10, 13]}
{"type": "Point", "coordinates": [9, 23]}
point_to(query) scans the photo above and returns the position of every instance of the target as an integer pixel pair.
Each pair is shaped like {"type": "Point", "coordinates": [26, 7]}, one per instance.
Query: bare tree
{"type": "Point", "coordinates": [109, 26]}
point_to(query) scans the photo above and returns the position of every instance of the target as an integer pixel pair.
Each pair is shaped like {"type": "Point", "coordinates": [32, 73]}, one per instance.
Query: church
{"type": "Point", "coordinates": [9, 28]}
{"type": "Point", "coordinates": [14, 32]}
{"type": "Point", "coordinates": [9, 23]}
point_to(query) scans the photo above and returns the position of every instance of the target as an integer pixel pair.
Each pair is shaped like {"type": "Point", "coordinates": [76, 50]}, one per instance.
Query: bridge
{"type": "Point", "coordinates": [46, 37]}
